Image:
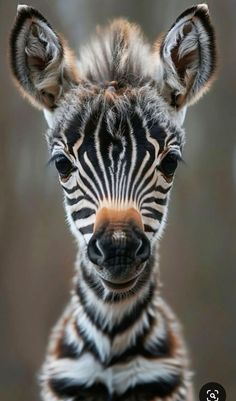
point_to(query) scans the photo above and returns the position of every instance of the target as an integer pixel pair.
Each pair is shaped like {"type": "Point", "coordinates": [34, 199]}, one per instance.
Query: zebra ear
{"type": "Point", "coordinates": [187, 57]}
{"type": "Point", "coordinates": [43, 66]}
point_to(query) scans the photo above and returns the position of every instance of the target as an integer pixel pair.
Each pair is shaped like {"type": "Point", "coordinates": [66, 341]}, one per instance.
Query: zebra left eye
{"type": "Point", "coordinates": [64, 166]}
{"type": "Point", "coordinates": [169, 164]}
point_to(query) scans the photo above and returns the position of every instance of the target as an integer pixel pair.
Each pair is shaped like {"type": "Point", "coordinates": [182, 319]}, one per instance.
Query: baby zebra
{"type": "Point", "coordinates": [115, 135]}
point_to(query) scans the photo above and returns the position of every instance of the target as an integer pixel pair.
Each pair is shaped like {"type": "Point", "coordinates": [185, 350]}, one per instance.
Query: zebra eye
{"type": "Point", "coordinates": [64, 166]}
{"type": "Point", "coordinates": [169, 164]}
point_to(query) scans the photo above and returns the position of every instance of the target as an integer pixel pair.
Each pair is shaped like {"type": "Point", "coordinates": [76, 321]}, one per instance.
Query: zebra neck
{"type": "Point", "coordinates": [110, 324]}
{"type": "Point", "coordinates": [135, 341]}
{"type": "Point", "coordinates": [108, 309]}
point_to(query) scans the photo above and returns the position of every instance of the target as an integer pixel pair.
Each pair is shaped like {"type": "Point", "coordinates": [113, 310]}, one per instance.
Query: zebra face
{"type": "Point", "coordinates": [115, 118]}
{"type": "Point", "coordinates": [116, 166]}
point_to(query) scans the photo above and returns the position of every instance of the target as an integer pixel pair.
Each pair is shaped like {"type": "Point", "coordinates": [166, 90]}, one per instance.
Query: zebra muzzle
{"type": "Point", "coordinates": [119, 247]}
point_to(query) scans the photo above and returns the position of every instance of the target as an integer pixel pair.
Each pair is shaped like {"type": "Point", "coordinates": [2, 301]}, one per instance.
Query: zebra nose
{"type": "Point", "coordinates": [110, 249]}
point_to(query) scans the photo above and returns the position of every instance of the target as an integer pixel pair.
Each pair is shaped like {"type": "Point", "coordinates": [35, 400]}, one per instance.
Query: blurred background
{"type": "Point", "coordinates": [198, 251]}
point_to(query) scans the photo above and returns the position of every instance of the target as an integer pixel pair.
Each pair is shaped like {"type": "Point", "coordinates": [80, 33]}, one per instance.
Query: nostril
{"type": "Point", "coordinates": [143, 250]}
{"type": "Point", "coordinates": [98, 249]}
{"type": "Point", "coordinates": [95, 252]}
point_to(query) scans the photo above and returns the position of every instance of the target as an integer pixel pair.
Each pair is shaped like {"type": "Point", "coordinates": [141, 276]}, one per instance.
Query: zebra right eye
{"type": "Point", "coordinates": [169, 164]}
{"type": "Point", "coordinates": [64, 166]}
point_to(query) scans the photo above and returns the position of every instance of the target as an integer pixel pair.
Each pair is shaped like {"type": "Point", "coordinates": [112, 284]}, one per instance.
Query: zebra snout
{"type": "Point", "coordinates": [119, 252]}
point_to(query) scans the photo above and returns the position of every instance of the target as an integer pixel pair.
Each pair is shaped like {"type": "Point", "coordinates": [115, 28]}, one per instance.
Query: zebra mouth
{"type": "Point", "coordinates": [127, 285]}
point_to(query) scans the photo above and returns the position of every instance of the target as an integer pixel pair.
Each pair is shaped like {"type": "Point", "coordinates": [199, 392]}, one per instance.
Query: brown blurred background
{"type": "Point", "coordinates": [198, 251]}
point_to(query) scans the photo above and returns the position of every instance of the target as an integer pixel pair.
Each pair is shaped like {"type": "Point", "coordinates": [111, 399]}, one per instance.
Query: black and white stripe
{"type": "Point", "coordinates": [117, 168]}
{"type": "Point", "coordinates": [127, 340]}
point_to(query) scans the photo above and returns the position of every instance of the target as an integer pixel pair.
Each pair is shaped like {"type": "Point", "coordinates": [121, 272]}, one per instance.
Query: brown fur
{"type": "Point", "coordinates": [117, 217]}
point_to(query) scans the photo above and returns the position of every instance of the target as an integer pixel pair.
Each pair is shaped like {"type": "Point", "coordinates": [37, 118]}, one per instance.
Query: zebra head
{"type": "Point", "coordinates": [115, 133]}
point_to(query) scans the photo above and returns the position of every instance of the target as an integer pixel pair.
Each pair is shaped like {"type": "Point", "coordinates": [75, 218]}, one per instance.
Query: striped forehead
{"type": "Point", "coordinates": [116, 135]}
{"type": "Point", "coordinates": [140, 110]}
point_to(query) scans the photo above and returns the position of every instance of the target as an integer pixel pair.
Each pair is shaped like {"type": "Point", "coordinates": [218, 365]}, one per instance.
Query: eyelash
{"type": "Point", "coordinates": [169, 163]}
{"type": "Point", "coordinates": [63, 165]}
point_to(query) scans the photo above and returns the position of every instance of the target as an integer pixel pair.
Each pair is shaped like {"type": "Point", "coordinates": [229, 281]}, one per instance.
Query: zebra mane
{"type": "Point", "coordinates": [117, 53]}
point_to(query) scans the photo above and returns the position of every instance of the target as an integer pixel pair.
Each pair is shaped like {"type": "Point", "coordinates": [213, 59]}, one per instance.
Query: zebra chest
{"type": "Point", "coordinates": [88, 380]}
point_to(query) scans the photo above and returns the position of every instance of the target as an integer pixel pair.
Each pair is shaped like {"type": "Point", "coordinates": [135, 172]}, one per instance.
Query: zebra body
{"type": "Point", "coordinates": [115, 134]}
{"type": "Point", "coordinates": [105, 353]}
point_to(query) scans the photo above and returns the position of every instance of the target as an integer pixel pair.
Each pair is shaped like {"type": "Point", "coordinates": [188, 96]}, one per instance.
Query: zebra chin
{"type": "Point", "coordinates": [126, 280]}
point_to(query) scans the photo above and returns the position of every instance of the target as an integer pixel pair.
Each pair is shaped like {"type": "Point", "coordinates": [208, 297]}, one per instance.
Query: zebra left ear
{"type": "Point", "coordinates": [43, 66]}
{"type": "Point", "coordinates": [187, 57]}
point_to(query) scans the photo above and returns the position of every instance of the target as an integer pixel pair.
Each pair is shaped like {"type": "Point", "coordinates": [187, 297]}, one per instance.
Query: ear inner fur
{"type": "Point", "coordinates": [188, 71]}
{"type": "Point", "coordinates": [40, 77]}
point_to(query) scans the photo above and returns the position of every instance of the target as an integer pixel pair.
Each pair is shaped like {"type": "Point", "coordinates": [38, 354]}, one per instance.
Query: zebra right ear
{"type": "Point", "coordinates": [43, 67]}
{"type": "Point", "coordinates": [187, 57]}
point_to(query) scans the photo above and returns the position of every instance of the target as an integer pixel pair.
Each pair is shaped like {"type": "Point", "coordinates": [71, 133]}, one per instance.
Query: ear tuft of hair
{"type": "Point", "coordinates": [22, 7]}
{"type": "Point", "coordinates": [43, 66]}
